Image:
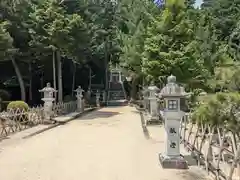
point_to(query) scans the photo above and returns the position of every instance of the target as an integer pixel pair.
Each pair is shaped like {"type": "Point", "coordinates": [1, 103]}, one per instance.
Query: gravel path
{"type": "Point", "coordinates": [105, 145]}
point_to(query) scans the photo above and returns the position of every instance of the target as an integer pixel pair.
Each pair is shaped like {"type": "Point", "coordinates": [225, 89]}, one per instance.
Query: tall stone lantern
{"type": "Point", "coordinates": [48, 99]}
{"type": "Point", "coordinates": [79, 95]}
{"type": "Point", "coordinates": [153, 100]}
{"type": "Point", "coordinates": [172, 93]}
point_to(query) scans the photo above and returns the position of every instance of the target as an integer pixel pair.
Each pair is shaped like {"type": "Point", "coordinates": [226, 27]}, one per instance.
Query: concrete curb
{"type": "Point", "coordinates": [149, 122]}
{"type": "Point", "coordinates": [59, 123]}
{"type": "Point", "coordinates": [143, 124]}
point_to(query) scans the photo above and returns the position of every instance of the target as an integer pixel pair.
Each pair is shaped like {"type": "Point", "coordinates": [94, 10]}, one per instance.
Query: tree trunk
{"type": "Point", "coordinates": [134, 88]}
{"type": "Point", "coordinates": [90, 78]}
{"type": "Point", "coordinates": [54, 73]}
{"type": "Point", "coordinates": [20, 79]}
{"type": "Point", "coordinates": [59, 69]}
{"type": "Point", "coordinates": [42, 80]}
{"type": "Point", "coordinates": [30, 83]}
{"type": "Point", "coordinates": [106, 75]}
{"type": "Point", "coordinates": [73, 77]}
{"type": "Point", "coordinates": [106, 61]}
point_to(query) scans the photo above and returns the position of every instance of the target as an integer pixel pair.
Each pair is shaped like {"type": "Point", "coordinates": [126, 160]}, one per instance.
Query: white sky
{"type": "Point", "coordinates": [198, 3]}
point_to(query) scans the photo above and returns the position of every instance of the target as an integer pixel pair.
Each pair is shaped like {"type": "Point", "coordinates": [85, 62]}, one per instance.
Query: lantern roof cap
{"type": "Point", "coordinates": [172, 89]}
{"type": "Point", "coordinates": [79, 89]}
{"type": "Point", "coordinates": [171, 79]}
{"type": "Point", "coordinates": [153, 88]}
{"type": "Point", "coordinates": [48, 88]}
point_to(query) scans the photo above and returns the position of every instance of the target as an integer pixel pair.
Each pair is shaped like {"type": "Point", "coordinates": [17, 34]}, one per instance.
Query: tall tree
{"type": "Point", "coordinates": [53, 30]}
{"type": "Point", "coordinates": [17, 13]}
{"type": "Point", "coordinates": [136, 16]}
{"type": "Point", "coordinates": [168, 47]}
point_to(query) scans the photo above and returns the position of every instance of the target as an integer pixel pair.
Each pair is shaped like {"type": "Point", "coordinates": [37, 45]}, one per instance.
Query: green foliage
{"type": "Point", "coordinates": [220, 110]}
{"type": "Point", "coordinates": [18, 106]}
{"type": "Point", "coordinates": [234, 81]}
{"type": "Point", "coordinates": [6, 42]}
{"type": "Point", "coordinates": [52, 28]}
{"type": "Point", "coordinates": [169, 46]}
{"type": "Point", "coordinates": [135, 19]}
{"type": "Point", "coordinates": [224, 15]}
{"type": "Point", "coordinates": [192, 44]}
{"type": "Point", "coordinates": [192, 99]}
{"type": "Point", "coordinates": [234, 42]}
{"type": "Point", "coordinates": [149, 42]}
{"type": "Point", "coordinates": [19, 111]}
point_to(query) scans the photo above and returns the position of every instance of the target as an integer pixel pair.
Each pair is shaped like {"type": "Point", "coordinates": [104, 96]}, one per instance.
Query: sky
{"type": "Point", "coordinates": [198, 3]}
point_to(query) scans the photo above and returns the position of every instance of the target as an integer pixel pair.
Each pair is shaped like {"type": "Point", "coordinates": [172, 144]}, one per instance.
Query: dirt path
{"type": "Point", "coordinates": [104, 145]}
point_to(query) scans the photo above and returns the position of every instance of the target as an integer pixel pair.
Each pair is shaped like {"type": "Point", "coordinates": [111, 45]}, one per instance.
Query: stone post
{"type": "Point", "coordinates": [172, 93]}
{"type": "Point", "coordinates": [79, 96]}
{"type": "Point", "coordinates": [48, 100]}
{"type": "Point", "coordinates": [98, 98]}
{"type": "Point", "coordinates": [153, 100]}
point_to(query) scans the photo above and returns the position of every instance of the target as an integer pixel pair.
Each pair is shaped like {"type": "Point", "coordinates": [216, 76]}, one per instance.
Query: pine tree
{"type": "Point", "coordinates": [169, 47]}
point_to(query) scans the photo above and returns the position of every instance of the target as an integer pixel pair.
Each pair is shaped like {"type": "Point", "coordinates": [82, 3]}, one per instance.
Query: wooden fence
{"type": "Point", "coordinates": [15, 120]}
{"type": "Point", "coordinates": [215, 148]}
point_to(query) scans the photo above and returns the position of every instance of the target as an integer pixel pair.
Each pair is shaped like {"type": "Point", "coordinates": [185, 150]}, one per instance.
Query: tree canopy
{"type": "Point", "coordinates": [149, 39]}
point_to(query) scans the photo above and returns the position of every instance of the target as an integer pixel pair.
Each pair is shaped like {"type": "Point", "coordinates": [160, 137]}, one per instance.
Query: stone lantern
{"type": "Point", "coordinates": [153, 100]}
{"type": "Point", "coordinates": [98, 94]}
{"type": "Point", "coordinates": [79, 94]}
{"type": "Point", "coordinates": [48, 99]}
{"type": "Point", "coordinates": [172, 93]}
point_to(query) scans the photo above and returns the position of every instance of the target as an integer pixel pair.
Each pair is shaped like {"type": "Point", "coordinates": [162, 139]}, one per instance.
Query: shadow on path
{"type": "Point", "coordinates": [192, 176]}
{"type": "Point", "coordinates": [144, 127]}
{"type": "Point", "coordinates": [101, 114]}
{"type": "Point", "coordinates": [190, 159]}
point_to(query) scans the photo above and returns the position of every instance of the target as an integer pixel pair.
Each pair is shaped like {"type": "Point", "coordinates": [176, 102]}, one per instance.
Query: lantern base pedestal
{"type": "Point", "coordinates": [172, 162]}
{"type": "Point", "coordinates": [153, 120]}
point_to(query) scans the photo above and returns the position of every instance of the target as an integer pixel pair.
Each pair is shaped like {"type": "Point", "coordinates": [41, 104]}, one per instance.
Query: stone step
{"type": "Point", "coordinates": [116, 95]}
{"type": "Point", "coordinates": [116, 86]}
{"type": "Point", "coordinates": [123, 102]}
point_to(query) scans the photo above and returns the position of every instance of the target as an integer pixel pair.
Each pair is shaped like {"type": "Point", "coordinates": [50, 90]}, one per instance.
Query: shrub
{"type": "Point", "coordinates": [17, 105]}
{"type": "Point", "coordinates": [17, 108]}
{"type": "Point", "coordinates": [192, 100]}
{"type": "Point", "coordinates": [221, 110]}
